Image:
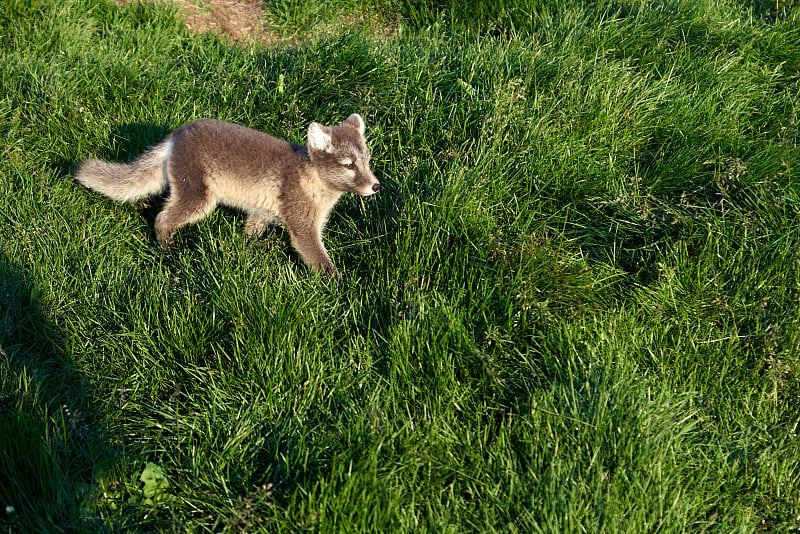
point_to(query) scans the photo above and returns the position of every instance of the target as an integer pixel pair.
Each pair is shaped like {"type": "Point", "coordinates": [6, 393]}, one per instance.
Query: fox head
{"type": "Point", "coordinates": [341, 156]}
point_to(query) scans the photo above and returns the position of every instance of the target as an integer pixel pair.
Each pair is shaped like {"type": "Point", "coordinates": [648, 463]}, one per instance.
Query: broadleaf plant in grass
{"type": "Point", "coordinates": [573, 307]}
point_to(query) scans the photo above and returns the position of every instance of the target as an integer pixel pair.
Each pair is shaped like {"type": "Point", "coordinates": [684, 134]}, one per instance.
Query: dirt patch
{"type": "Point", "coordinates": [239, 20]}
{"type": "Point", "coordinates": [247, 21]}
{"type": "Point", "coordinates": [235, 20]}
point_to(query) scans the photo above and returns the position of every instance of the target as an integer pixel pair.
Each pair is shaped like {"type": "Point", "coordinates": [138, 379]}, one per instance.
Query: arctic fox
{"type": "Point", "coordinates": [211, 162]}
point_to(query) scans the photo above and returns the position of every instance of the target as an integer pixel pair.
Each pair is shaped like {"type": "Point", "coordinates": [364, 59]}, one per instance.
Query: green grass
{"type": "Point", "coordinates": [574, 307]}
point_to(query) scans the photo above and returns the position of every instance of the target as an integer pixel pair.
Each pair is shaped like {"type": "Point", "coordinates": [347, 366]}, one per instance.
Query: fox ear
{"type": "Point", "coordinates": [356, 122]}
{"type": "Point", "coordinates": [318, 139]}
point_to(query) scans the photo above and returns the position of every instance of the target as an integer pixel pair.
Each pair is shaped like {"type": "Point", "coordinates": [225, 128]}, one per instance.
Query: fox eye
{"type": "Point", "coordinates": [350, 165]}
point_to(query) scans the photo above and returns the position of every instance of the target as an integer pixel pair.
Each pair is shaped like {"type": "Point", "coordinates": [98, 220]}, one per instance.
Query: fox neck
{"type": "Point", "coordinates": [318, 190]}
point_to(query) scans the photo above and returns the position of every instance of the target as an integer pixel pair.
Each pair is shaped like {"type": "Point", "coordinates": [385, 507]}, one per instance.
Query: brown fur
{"type": "Point", "coordinates": [210, 162]}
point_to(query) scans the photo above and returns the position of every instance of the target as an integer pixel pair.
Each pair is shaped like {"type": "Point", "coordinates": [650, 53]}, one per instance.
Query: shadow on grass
{"type": "Point", "coordinates": [129, 140]}
{"type": "Point", "coordinates": [50, 443]}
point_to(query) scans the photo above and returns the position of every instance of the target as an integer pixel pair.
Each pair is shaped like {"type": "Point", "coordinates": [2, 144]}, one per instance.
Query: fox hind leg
{"type": "Point", "coordinates": [189, 201]}
{"type": "Point", "coordinates": [179, 212]}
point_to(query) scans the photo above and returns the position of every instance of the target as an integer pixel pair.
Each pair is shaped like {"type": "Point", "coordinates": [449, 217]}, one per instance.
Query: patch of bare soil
{"type": "Point", "coordinates": [239, 20]}
{"type": "Point", "coordinates": [246, 21]}
{"type": "Point", "coordinates": [236, 20]}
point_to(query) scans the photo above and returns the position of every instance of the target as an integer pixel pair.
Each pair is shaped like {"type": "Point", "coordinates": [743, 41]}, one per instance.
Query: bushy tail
{"type": "Point", "coordinates": [141, 178]}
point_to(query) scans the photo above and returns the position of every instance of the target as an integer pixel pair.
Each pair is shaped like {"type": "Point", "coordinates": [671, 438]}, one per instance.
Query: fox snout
{"type": "Point", "coordinates": [370, 188]}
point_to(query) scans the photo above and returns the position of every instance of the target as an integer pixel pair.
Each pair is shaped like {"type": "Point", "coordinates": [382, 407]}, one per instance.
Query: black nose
{"type": "Point", "coordinates": [376, 187]}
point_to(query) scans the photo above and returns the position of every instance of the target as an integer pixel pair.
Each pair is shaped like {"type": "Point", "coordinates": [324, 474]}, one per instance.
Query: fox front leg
{"type": "Point", "coordinates": [310, 247]}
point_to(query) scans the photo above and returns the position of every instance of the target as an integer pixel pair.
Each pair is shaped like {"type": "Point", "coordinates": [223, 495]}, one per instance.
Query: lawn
{"type": "Point", "coordinates": [573, 307]}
